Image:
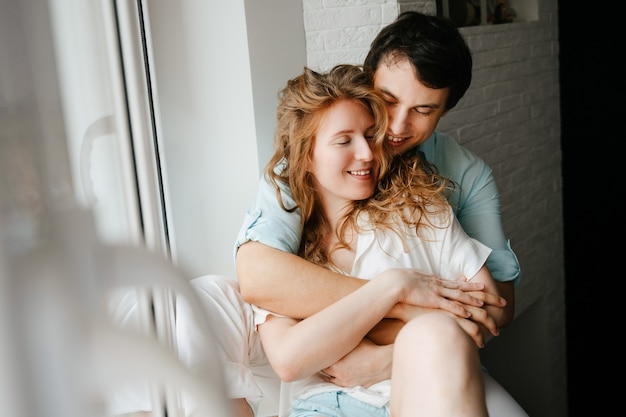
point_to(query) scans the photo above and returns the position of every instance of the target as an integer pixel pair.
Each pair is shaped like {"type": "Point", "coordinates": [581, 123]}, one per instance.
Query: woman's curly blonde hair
{"type": "Point", "coordinates": [409, 188]}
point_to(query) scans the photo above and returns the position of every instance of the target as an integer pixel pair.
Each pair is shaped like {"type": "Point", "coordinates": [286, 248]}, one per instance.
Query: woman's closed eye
{"type": "Point", "coordinates": [345, 140]}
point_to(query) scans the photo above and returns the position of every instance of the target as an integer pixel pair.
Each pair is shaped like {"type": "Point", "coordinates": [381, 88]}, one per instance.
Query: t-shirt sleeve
{"type": "Point", "coordinates": [267, 222]}
{"type": "Point", "coordinates": [460, 254]}
{"type": "Point", "coordinates": [261, 315]}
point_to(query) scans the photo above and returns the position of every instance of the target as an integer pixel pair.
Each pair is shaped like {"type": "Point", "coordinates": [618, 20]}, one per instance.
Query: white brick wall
{"type": "Point", "coordinates": [510, 116]}
{"type": "Point", "coordinates": [341, 31]}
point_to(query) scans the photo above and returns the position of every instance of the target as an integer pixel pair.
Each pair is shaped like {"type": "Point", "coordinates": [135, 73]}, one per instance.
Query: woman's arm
{"type": "Point", "coordinates": [297, 349]}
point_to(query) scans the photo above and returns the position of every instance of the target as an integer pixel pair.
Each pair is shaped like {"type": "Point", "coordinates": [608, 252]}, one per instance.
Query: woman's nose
{"type": "Point", "coordinates": [364, 151]}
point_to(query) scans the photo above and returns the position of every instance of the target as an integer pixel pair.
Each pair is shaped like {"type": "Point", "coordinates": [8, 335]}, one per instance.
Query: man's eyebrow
{"type": "Point", "coordinates": [386, 92]}
{"type": "Point", "coordinates": [428, 105]}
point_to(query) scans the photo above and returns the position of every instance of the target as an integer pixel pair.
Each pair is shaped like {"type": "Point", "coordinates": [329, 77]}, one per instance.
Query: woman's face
{"type": "Point", "coordinates": [343, 165]}
{"type": "Point", "coordinates": [414, 109]}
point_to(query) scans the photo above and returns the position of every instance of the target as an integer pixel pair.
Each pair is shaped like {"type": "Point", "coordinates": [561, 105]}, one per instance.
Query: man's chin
{"type": "Point", "coordinates": [399, 147]}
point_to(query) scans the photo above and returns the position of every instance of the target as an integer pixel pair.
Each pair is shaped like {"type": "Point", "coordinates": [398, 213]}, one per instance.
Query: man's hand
{"type": "Point", "coordinates": [433, 292]}
{"type": "Point", "coordinates": [369, 363]}
{"type": "Point", "coordinates": [481, 318]}
{"type": "Point", "coordinates": [498, 309]}
{"type": "Point", "coordinates": [366, 365]}
{"type": "Point", "coordinates": [472, 325]}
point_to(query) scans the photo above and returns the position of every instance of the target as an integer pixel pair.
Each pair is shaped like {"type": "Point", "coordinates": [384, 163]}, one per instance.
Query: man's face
{"type": "Point", "coordinates": [413, 108]}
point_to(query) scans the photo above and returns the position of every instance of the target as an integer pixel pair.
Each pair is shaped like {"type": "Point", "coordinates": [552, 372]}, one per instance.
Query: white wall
{"type": "Point", "coordinates": [218, 74]}
{"type": "Point", "coordinates": [277, 53]}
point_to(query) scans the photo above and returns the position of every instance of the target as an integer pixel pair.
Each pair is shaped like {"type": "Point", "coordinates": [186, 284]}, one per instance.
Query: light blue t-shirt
{"type": "Point", "coordinates": [476, 203]}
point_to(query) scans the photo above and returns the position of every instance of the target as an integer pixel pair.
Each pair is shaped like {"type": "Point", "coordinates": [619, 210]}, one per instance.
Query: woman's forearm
{"type": "Point", "coordinates": [299, 349]}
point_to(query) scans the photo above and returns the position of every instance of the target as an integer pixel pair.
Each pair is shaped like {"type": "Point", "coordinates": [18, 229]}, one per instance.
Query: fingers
{"type": "Point", "coordinates": [463, 297]}
{"type": "Point", "coordinates": [462, 278]}
{"type": "Point", "coordinates": [481, 316]}
{"type": "Point", "coordinates": [488, 298]}
{"type": "Point", "coordinates": [461, 285]}
{"type": "Point", "coordinates": [339, 379]}
{"type": "Point", "coordinates": [455, 308]}
{"type": "Point", "coordinates": [326, 375]}
{"type": "Point", "coordinates": [473, 331]}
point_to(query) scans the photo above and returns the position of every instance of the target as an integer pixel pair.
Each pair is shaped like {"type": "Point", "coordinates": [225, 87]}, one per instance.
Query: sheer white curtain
{"type": "Point", "coordinates": [83, 217]}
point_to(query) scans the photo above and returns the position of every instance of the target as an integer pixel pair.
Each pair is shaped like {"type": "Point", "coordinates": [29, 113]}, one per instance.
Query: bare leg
{"type": "Point", "coordinates": [436, 370]}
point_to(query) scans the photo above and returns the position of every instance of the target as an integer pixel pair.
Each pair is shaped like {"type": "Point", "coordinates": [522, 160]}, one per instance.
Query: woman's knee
{"type": "Point", "coordinates": [433, 329]}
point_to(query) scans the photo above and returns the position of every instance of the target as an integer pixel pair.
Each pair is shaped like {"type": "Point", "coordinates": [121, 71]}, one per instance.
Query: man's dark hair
{"type": "Point", "coordinates": [433, 45]}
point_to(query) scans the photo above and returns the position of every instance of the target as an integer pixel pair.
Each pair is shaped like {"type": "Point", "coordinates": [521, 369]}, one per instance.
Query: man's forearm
{"type": "Point", "coordinates": [287, 284]}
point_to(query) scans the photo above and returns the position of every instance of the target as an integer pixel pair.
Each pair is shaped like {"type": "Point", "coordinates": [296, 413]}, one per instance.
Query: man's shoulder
{"type": "Point", "coordinates": [442, 148]}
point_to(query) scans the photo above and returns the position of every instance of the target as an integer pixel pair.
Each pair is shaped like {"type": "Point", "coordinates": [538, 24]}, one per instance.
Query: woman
{"type": "Point", "coordinates": [330, 152]}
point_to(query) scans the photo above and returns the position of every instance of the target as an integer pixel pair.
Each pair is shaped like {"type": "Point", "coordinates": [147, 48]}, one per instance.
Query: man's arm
{"type": "Point", "coordinates": [487, 229]}
{"type": "Point", "coordinates": [292, 286]}
{"type": "Point", "coordinates": [476, 203]}
{"type": "Point", "coordinates": [299, 348]}
{"type": "Point", "coordinates": [287, 284]}
{"type": "Point", "coordinates": [271, 276]}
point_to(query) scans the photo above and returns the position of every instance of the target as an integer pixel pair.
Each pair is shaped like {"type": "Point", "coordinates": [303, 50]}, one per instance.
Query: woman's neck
{"type": "Point", "coordinates": [335, 213]}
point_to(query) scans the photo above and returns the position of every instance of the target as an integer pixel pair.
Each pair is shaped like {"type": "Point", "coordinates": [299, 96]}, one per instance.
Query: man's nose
{"type": "Point", "coordinates": [398, 119]}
